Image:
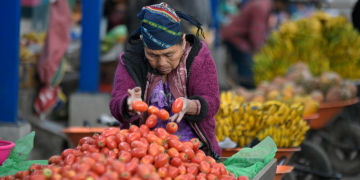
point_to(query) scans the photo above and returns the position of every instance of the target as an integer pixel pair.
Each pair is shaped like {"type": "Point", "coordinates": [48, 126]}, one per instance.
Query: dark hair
{"type": "Point", "coordinates": [180, 42]}
{"type": "Point", "coordinates": [282, 1]}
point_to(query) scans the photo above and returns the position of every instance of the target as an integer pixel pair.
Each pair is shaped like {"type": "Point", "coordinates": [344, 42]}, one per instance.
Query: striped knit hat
{"type": "Point", "coordinates": [160, 26]}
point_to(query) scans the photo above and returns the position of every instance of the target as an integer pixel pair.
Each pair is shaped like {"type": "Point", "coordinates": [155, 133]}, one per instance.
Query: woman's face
{"type": "Point", "coordinates": [167, 59]}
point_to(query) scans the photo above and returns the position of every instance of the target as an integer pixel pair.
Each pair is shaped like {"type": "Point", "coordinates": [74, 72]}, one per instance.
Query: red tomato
{"type": "Point", "coordinates": [139, 106]}
{"type": "Point", "coordinates": [148, 159]}
{"type": "Point", "coordinates": [174, 137]}
{"type": "Point", "coordinates": [137, 144]}
{"type": "Point", "coordinates": [124, 131]}
{"type": "Point", "coordinates": [171, 127]}
{"type": "Point", "coordinates": [176, 162]}
{"type": "Point", "coordinates": [200, 177]}
{"type": "Point", "coordinates": [105, 150]}
{"type": "Point", "coordinates": [144, 129]}
{"type": "Point", "coordinates": [166, 145]}
{"type": "Point", "coordinates": [70, 159]}
{"type": "Point", "coordinates": [84, 147]}
{"type": "Point", "coordinates": [190, 176]}
{"type": "Point", "coordinates": [151, 121]}
{"type": "Point", "coordinates": [172, 152]}
{"type": "Point", "coordinates": [88, 160]}
{"type": "Point", "coordinates": [211, 177]}
{"type": "Point", "coordinates": [242, 178]}
{"type": "Point", "coordinates": [23, 174]}
{"type": "Point", "coordinates": [196, 160]}
{"type": "Point", "coordinates": [173, 172]}
{"type": "Point", "coordinates": [196, 143]}
{"type": "Point", "coordinates": [223, 170]}
{"type": "Point", "coordinates": [84, 140]}
{"type": "Point", "coordinates": [143, 172]}
{"type": "Point", "coordinates": [161, 133]}
{"type": "Point", "coordinates": [100, 142]}
{"type": "Point", "coordinates": [66, 152]}
{"type": "Point", "coordinates": [209, 159]}
{"type": "Point", "coordinates": [161, 149]}
{"type": "Point", "coordinates": [161, 160]}
{"type": "Point", "coordinates": [138, 152]}
{"type": "Point", "coordinates": [192, 170]}
{"type": "Point", "coordinates": [204, 167]}
{"type": "Point", "coordinates": [153, 149]}
{"type": "Point", "coordinates": [183, 157]}
{"type": "Point", "coordinates": [153, 110]}
{"type": "Point", "coordinates": [177, 105]}
{"type": "Point", "coordinates": [118, 167]}
{"type": "Point", "coordinates": [181, 177]}
{"type": "Point", "coordinates": [35, 167]}
{"type": "Point", "coordinates": [135, 160]}
{"type": "Point", "coordinates": [112, 154]}
{"type": "Point", "coordinates": [110, 132]}
{"type": "Point", "coordinates": [200, 152]}
{"type": "Point", "coordinates": [134, 128]}
{"type": "Point", "coordinates": [98, 168]}
{"type": "Point", "coordinates": [164, 115]}
{"type": "Point", "coordinates": [124, 146]}
{"type": "Point", "coordinates": [176, 144]}
{"type": "Point", "coordinates": [131, 167]}
{"type": "Point", "coordinates": [124, 156]}
{"type": "Point", "coordinates": [120, 138]}
{"type": "Point", "coordinates": [125, 175]}
{"type": "Point", "coordinates": [93, 149]}
{"type": "Point", "coordinates": [182, 169]}
{"type": "Point", "coordinates": [215, 172]}
{"type": "Point", "coordinates": [162, 171]}
{"type": "Point", "coordinates": [133, 137]}
{"type": "Point", "coordinates": [144, 140]}
{"type": "Point", "coordinates": [77, 153]}
{"type": "Point", "coordinates": [54, 159]}
{"type": "Point", "coordinates": [189, 152]}
{"type": "Point", "coordinates": [188, 144]}
{"type": "Point", "coordinates": [34, 177]}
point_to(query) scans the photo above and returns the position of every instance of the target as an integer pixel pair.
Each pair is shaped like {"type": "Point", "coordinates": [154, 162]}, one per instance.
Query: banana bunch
{"type": "Point", "coordinates": [242, 122]}
{"type": "Point", "coordinates": [325, 43]}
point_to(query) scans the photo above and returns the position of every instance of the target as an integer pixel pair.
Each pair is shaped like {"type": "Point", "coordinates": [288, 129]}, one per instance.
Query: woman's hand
{"type": "Point", "coordinates": [189, 107]}
{"type": "Point", "coordinates": [134, 95]}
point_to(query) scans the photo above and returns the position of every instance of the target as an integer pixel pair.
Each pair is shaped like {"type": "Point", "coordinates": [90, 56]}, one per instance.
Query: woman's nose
{"type": "Point", "coordinates": [162, 61]}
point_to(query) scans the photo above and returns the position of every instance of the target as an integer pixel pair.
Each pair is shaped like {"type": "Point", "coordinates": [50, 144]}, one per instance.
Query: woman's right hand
{"type": "Point", "coordinates": [134, 95]}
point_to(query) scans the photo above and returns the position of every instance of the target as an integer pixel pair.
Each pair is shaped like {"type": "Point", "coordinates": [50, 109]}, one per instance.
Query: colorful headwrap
{"type": "Point", "coordinates": [160, 26]}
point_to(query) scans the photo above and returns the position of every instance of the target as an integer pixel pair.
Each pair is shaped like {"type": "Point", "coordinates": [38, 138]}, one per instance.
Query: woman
{"type": "Point", "coordinates": [163, 64]}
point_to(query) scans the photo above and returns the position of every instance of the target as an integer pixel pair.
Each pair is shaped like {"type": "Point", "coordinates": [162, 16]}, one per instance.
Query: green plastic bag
{"type": "Point", "coordinates": [18, 155]}
{"type": "Point", "coordinates": [250, 161]}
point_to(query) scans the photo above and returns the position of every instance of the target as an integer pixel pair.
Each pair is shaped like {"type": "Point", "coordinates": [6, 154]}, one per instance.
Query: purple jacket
{"type": "Point", "coordinates": [202, 84]}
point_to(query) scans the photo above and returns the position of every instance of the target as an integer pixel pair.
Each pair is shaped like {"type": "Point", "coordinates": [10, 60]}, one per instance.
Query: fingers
{"type": "Point", "coordinates": [137, 92]}
{"type": "Point", "coordinates": [180, 117]}
{"type": "Point", "coordinates": [174, 117]}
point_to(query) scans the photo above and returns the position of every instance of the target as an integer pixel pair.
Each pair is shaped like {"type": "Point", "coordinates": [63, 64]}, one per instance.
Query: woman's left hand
{"type": "Point", "coordinates": [189, 107]}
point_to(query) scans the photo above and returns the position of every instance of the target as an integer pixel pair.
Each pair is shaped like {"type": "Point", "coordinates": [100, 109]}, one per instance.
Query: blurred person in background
{"type": "Point", "coordinates": [356, 16]}
{"type": "Point", "coordinates": [247, 32]}
{"type": "Point", "coordinates": [162, 64]}
{"type": "Point", "coordinates": [115, 11]}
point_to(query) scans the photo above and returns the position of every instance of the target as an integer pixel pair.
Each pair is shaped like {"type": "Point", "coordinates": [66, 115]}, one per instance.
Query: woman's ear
{"type": "Point", "coordinates": [141, 37]}
{"type": "Point", "coordinates": [184, 41]}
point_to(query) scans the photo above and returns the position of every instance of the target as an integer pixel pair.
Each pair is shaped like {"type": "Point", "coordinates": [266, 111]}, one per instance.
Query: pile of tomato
{"type": "Point", "coordinates": [131, 154]}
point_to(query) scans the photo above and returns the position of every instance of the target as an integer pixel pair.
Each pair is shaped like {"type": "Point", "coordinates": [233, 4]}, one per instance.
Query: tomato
{"type": "Point", "coordinates": [112, 154]}
{"type": "Point", "coordinates": [93, 149]}
{"type": "Point", "coordinates": [196, 143]}
{"type": "Point", "coordinates": [138, 152]}
{"type": "Point", "coordinates": [23, 174]}
{"type": "Point", "coordinates": [174, 137]}
{"type": "Point", "coordinates": [201, 156]}
{"type": "Point", "coordinates": [139, 106]}
{"type": "Point", "coordinates": [166, 145]}
{"type": "Point", "coordinates": [172, 152]}
{"type": "Point", "coordinates": [242, 178]}
{"type": "Point", "coordinates": [138, 144]}
{"type": "Point", "coordinates": [204, 167]}
{"type": "Point", "coordinates": [124, 146]}
{"type": "Point", "coordinates": [109, 138]}
{"type": "Point", "coordinates": [153, 110]}
{"type": "Point", "coordinates": [110, 132]}
{"type": "Point", "coordinates": [70, 159]}
{"type": "Point", "coordinates": [98, 156]}
{"type": "Point", "coordinates": [181, 177]}
{"type": "Point", "coordinates": [9, 177]}
{"type": "Point", "coordinates": [85, 153]}
{"type": "Point", "coordinates": [154, 176]}
{"type": "Point", "coordinates": [161, 149]}
{"type": "Point", "coordinates": [124, 156]}
{"type": "Point", "coordinates": [105, 150]}
{"type": "Point", "coordinates": [66, 152]}
{"type": "Point", "coordinates": [200, 152]}
{"type": "Point", "coordinates": [171, 127]}
{"type": "Point", "coordinates": [54, 159]}
{"type": "Point", "coordinates": [35, 177]}
{"type": "Point", "coordinates": [167, 178]}
{"type": "Point", "coordinates": [134, 128]}
{"type": "Point", "coordinates": [173, 172]}
{"type": "Point", "coordinates": [162, 171]}
{"type": "Point", "coordinates": [151, 121]}
{"type": "Point", "coordinates": [133, 137]}
{"type": "Point", "coordinates": [176, 162]}
{"type": "Point", "coordinates": [152, 138]}
{"type": "Point", "coordinates": [84, 140]}
{"type": "Point", "coordinates": [144, 129]}
{"type": "Point", "coordinates": [211, 177]}
{"type": "Point", "coordinates": [164, 115]}
{"type": "Point", "coordinates": [161, 160]}
{"type": "Point", "coordinates": [100, 142]}
{"type": "Point", "coordinates": [192, 170]}
{"type": "Point", "coordinates": [84, 147]}
{"type": "Point", "coordinates": [118, 167]}
{"type": "Point", "coordinates": [209, 159]}
{"type": "Point", "coordinates": [196, 160]}
{"type": "Point", "coordinates": [135, 160]}
{"type": "Point", "coordinates": [161, 133]}
{"type": "Point", "coordinates": [200, 177]}
{"type": "Point", "coordinates": [145, 142]}
{"type": "Point", "coordinates": [183, 157]}
{"type": "Point", "coordinates": [88, 160]}
{"type": "Point", "coordinates": [215, 172]}
{"type": "Point", "coordinates": [143, 172]}
{"type": "Point", "coordinates": [188, 144]}
{"type": "Point", "coordinates": [189, 152]}
{"type": "Point", "coordinates": [176, 144]}
{"type": "Point", "coordinates": [148, 159]}
{"type": "Point", "coordinates": [77, 153]}
{"type": "Point", "coordinates": [98, 168]}
{"type": "Point", "coordinates": [120, 138]}
{"type": "Point", "coordinates": [131, 167]}
{"type": "Point", "coordinates": [223, 170]}
{"type": "Point", "coordinates": [111, 144]}
{"type": "Point", "coordinates": [177, 105]}
{"type": "Point", "coordinates": [125, 175]}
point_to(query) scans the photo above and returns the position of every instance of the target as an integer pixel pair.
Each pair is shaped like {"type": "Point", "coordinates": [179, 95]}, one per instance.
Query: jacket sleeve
{"type": "Point", "coordinates": [122, 83]}
{"type": "Point", "coordinates": [204, 86]}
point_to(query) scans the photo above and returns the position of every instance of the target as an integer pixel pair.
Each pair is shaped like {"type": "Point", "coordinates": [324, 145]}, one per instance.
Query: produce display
{"type": "Point", "coordinates": [31, 44]}
{"type": "Point", "coordinates": [242, 121]}
{"type": "Point", "coordinates": [134, 153]}
{"type": "Point", "coordinates": [325, 43]}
